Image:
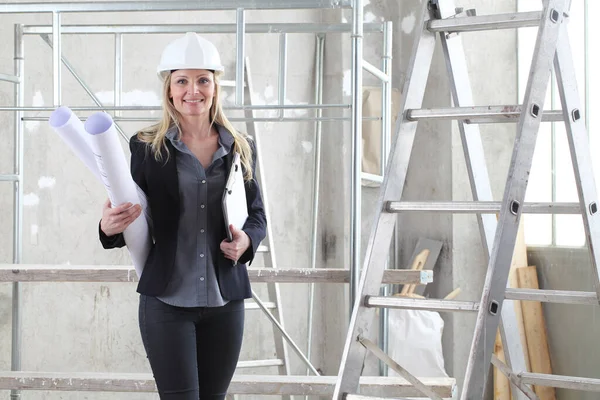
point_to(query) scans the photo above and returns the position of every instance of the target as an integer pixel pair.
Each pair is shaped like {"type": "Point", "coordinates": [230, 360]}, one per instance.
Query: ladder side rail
{"type": "Point", "coordinates": [577, 136]}
{"type": "Point", "coordinates": [270, 258]}
{"type": "Point", "coordinates": [514, 195]}
{"type": "Point", "coordinates": [481, 189]}
{"type": "Point", "coordinates": [381, 232]}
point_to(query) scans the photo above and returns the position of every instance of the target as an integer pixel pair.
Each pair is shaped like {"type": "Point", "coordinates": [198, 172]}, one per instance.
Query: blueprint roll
{"type": "Point", "coordinates": [71, 131]}
{"type": "Point", "coordinates": [114, 173]}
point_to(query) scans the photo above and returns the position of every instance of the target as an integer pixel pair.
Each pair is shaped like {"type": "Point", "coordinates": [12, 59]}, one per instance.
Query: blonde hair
{"type": "Point", "coordinates": [155, 135]}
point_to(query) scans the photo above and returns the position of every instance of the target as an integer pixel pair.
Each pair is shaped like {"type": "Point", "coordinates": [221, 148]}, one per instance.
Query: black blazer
{"type": "Point", "coordinates": [160, 183]}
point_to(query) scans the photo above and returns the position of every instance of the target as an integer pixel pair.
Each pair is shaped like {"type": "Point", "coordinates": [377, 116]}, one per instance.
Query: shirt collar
{"type": "Point", "coordinates": [225, 137]}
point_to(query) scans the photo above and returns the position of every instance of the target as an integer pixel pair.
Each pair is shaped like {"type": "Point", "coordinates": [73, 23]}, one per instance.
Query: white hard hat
{"type": "Point", "coordinates": [189, 52]}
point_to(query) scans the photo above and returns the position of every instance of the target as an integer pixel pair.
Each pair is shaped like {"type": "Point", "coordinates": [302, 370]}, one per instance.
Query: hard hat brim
{"type": "Point", "coordinates": [164, 70]}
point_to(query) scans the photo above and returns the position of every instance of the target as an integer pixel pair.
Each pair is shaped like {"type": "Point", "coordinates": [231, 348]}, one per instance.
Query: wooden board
{"type": "Point", "coordinates": [501, 382]}
{"type": "Point", "coordinates": [240, 384]}
{"type": "Point", "coordinates": [126, 273]}
{"type": "Point", "coordinates": [519, 260]}
{"type": "Point", "coordinates": [535, 328]}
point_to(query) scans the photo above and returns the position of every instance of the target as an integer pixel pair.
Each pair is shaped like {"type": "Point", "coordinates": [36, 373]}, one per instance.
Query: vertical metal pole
{"type": "Point", "coordinates": [15, 363]}
{"type": "Point", "coordinates": [56, 61]}
{"type": "Point", "coordinates": [118, 70]}
{"type": "Point", "coordinates": [386, 101]}
{"type": "Point", "coordinates": [586, 65]}
{"type": "Point", "coordinates": [386, 128]}
{"type": "Point", "coordinates": [240, 56]}
{"type": "Point", "coordinates": [356, 137]}
{"type": "Point", "coordinates": [316, 179]}
{"type": "Point", "coordinates": [282, 71]}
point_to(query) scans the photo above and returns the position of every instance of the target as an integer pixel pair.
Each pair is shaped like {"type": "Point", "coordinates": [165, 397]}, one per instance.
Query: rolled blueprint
{"type": "Point", "coordinates": [114, 173]}
{"type": "Point", "coordinates": [71, 131]}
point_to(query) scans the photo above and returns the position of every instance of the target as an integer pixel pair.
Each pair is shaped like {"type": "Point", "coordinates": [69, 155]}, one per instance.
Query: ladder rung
{"type": "Point", "coordinates": [561, 381]}
{"type": "Point", "coordinates": [360, 397]}
{"type": "Point", "coordinates": [260, 363]}
{"type": "Point", "coordinates": [253, 306]}
{"type": "Point", "coordinates": [227, 83]}
{"type": "Point", "coordinates": [9, 178]}
{"type": "Point", "coordinates": [10, 78]}
{"type": "Point", "coordinates": [489, 207]}
{"type": "Point", "coordinates": [553, 296]}
{"type": "Point", "coordinates": [262, 249]}
{"type": "Point", "coordinates": [479, 114]}
{"type": "Point", "coordinates": [486, 22]}
{"type": "Point", "coordinates": [420, 304]}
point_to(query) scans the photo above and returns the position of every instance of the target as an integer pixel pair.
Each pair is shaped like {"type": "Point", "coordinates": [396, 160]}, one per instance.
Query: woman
{"type": "Point", "coordinates": [192, 295]}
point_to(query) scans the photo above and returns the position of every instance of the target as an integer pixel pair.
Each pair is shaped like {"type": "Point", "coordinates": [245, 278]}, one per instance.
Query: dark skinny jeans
{"type": "Point", "coordinates": [193, 352]}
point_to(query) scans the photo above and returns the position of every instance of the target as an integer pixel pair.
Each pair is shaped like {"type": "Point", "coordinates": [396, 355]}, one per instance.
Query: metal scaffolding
{"type": "Point", "coordinates": [53, 34]}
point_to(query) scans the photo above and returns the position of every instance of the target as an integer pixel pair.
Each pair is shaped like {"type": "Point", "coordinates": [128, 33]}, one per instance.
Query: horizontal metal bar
{"type": "Point", "coordinates": [486, 22]}
{"type": "Point", "coordinates": [262, 249]}
{"type": "Point", "coordinates": [10, 78]}
{"type": "Point", "coordinates": [158, 108]}
{"type": "Point", "coordinates": [375, 71]}
{"type": "Point", "coordinates": [561, 381]}
{"type": "Point", "coordinates": [420, 304]}
{"type": "Point", "coordinates": [231, 119]}
{"type": "Point", "coordinates": [259, 363]}
{"type": "Point", "coordinates": [484, 207]}
{"type": "Point", "coordinates": [240, 384]}
{"type": "Point", "coordinates": [372, 177]}
{"type": "Point", "coordinates": [173, 5]}
{"type": "Point", "coordinates": [9, 178]}
{"type": "Point", "coordinates": [253, 306]}
{"type": "Point", "coordinates": [199, 28]}
{"type": "Point", "coordinates": [126, 273]}
{"type": "Point", "coordinates": [479, 114]}
{"type": "Point", "coordinates": [553, 296]}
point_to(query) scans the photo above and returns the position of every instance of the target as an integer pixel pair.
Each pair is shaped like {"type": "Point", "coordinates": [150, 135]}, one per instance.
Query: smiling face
{"type": "Point", "coordinates": [192, 92]}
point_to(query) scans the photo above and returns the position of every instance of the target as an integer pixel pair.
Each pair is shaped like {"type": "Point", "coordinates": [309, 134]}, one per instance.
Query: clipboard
{"type": "Point", "coordinates": [235, 208]}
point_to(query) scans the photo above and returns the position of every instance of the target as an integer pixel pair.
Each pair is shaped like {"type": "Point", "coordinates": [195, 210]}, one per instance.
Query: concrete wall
{"type": "Point", "coordinates": [572, 329]}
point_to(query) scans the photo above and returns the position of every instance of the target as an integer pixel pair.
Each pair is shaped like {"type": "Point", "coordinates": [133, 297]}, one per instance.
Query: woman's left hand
{"type": "Point", "coordinates": [233, 250]}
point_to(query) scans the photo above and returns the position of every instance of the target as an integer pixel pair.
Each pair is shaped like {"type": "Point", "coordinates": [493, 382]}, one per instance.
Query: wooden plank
{"type": "Point", "coordinates": [502, 389]}
{"type": "Point", "coordinates": [417, 265]}
{"type": "Point", "coordinates": [535, 329]}
{"type": "Point", "coordinates": [501, 382]}
{"type": "Point", "coordinates": [126, 273]}
{"type": "Point", "coordinates": [519, 260]}
{"type": "Point", "coordinates": [240, 384]}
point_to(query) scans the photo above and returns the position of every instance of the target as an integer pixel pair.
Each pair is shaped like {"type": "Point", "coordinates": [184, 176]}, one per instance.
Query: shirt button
{"type": "Point", "coordinates": [201, 205]}
{"type": "Point", "coordinates": [201, 230]}
{"type": "Point", "coordinates": [201, 255]}
{"type": "Point", "coordinates": [202, 278]}
{"type": "Point", "coordinates": [203, 180]}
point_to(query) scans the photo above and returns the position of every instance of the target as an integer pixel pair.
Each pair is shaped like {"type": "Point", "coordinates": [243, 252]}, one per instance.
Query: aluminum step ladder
{"type": "Point", "coordinates": [498, 236]}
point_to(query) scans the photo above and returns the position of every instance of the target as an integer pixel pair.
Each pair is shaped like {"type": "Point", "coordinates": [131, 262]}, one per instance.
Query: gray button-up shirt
{"type": "Point", "coordinates": [194, 281]}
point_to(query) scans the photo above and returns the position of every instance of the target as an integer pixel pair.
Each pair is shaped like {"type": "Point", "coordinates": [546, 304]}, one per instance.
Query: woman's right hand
{"type": "Point", "coordinates": [116, 220]}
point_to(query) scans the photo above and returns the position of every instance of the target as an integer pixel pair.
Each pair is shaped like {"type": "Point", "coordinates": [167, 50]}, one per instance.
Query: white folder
{"type": "Point", "coordinates": [235, 209]}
